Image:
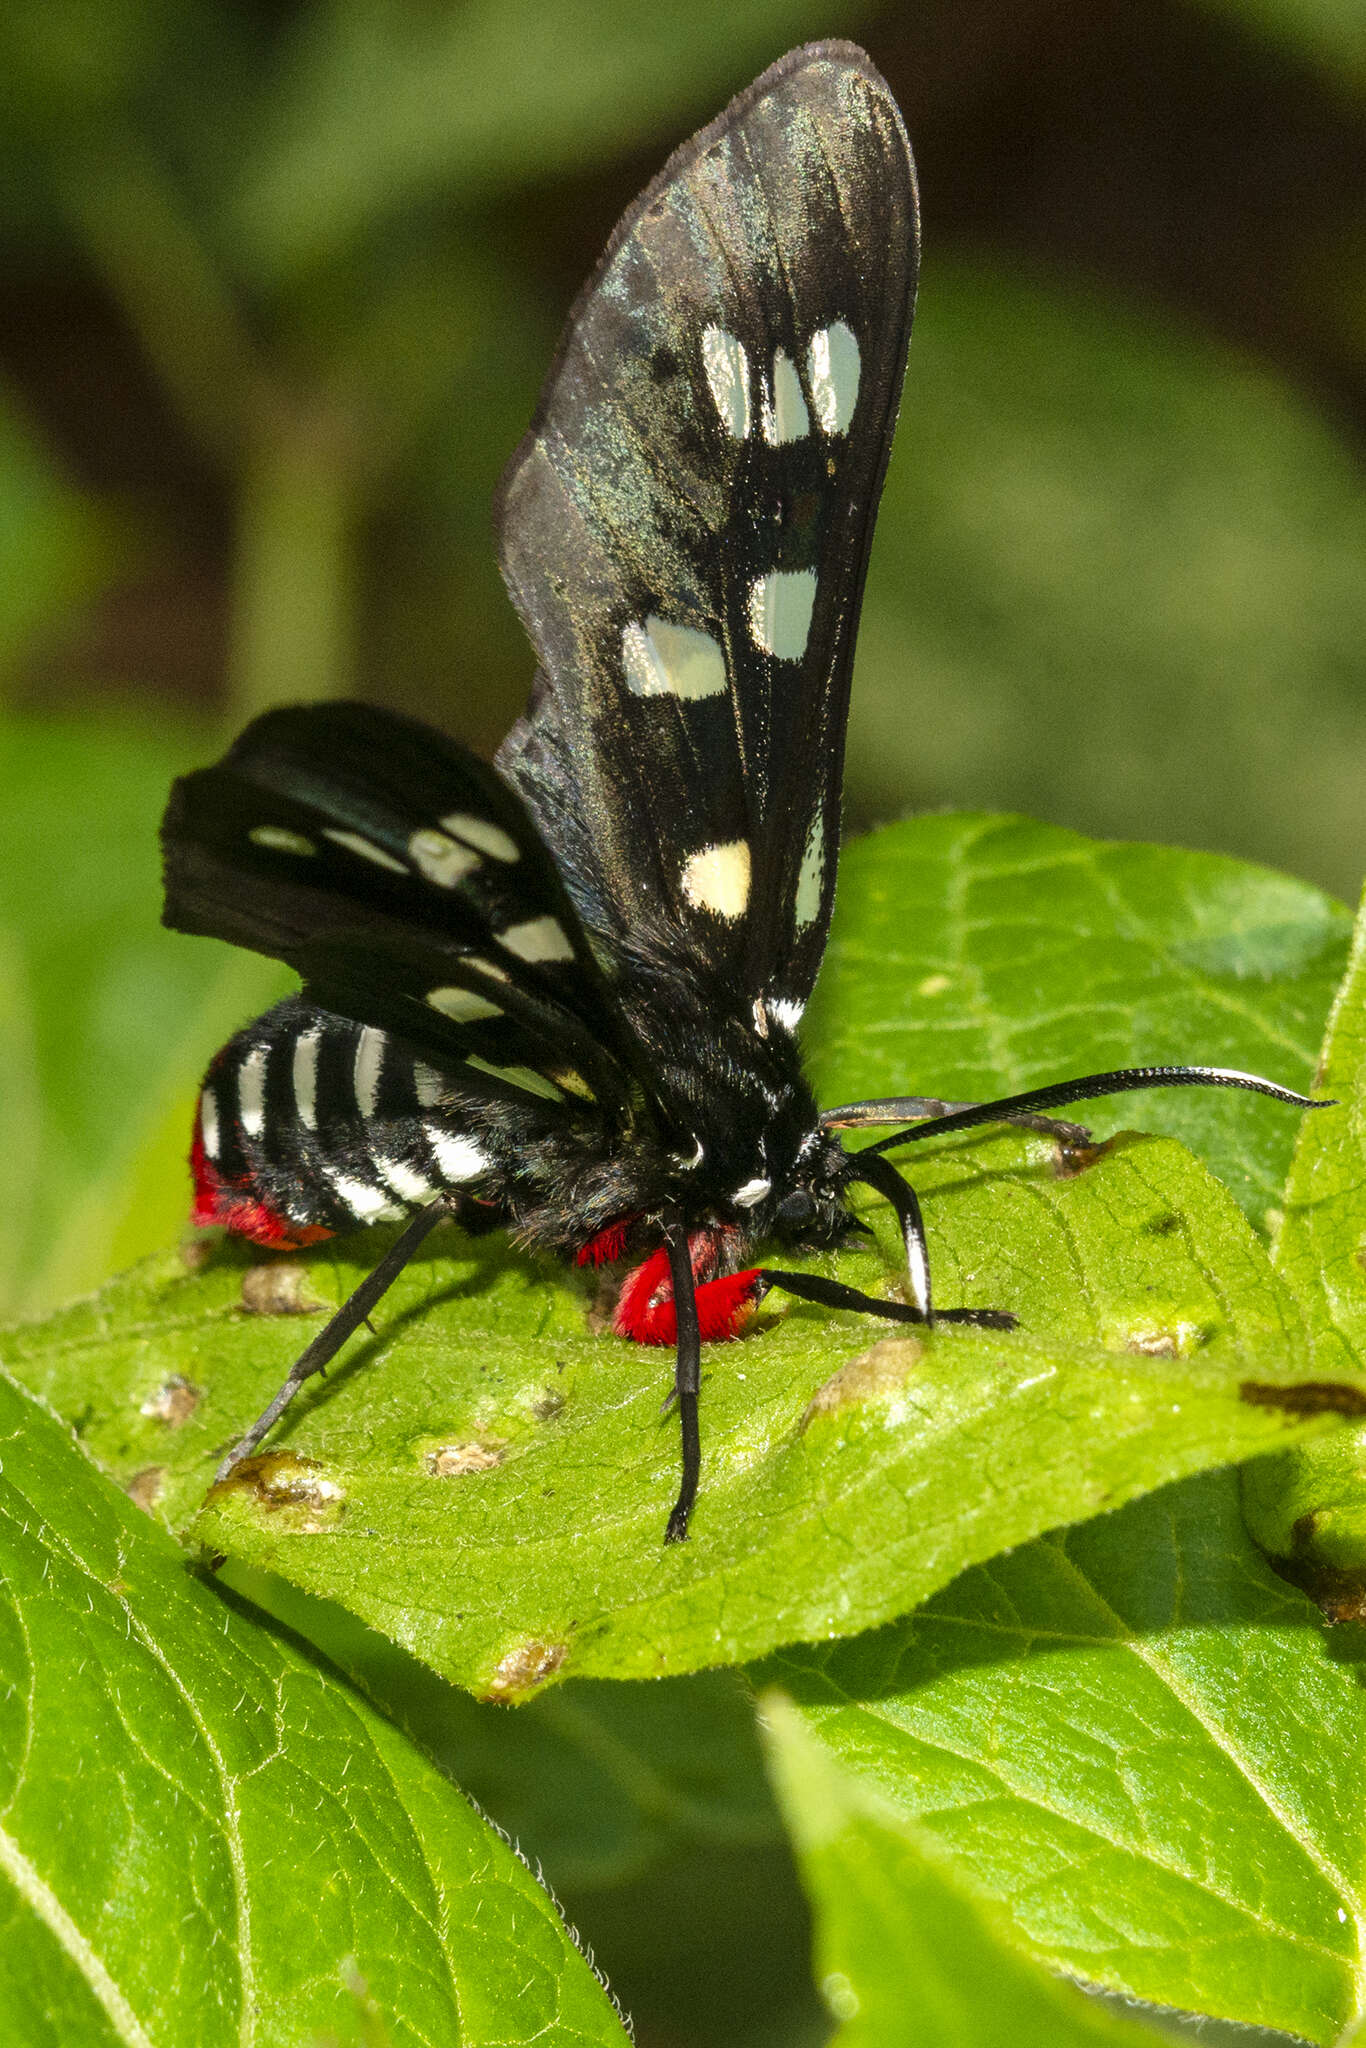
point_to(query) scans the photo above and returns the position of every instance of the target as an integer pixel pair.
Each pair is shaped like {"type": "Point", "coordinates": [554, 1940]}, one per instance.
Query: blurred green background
{"type": "Point", "coordinates": [280, 283]}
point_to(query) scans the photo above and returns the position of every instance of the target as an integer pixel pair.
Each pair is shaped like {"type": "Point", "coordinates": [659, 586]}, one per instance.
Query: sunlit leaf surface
{"type": "Point", "coordinates": [903, 1951]}
{"type": "Point", "coordinates": [1139, 1742]}
{"type": "Point", "coordinates": [486, 1480]}
{"type": "Point", "coordinates": [206, 1838]}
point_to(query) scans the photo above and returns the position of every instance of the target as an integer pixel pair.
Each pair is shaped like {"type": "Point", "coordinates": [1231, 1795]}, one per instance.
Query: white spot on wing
{"type": "Point", "coordinates": [784, 415]}
{"type": "Point", "coordinates": [541, 938]}
{"type": "Point", "coordinates": [367, 1204]}
{"type": "Point", "coordinates": [459, 1158]}
{"type": "Point", "coordinates": [366, 848]}
{"type": "Point", "coordinates": [753, 1191]}
{"type": "Point", "coordinates": [727, 368]}
{"type": "Point", "coordinates": [660, 660]}
{"type": "Point", "coordinates": [407, 1185]}
{"type": "Point", "coordinates": [367, 1070]}
{"type": "Point", "coordinates": [280, 840]}
{"type": "Point", "coordinates": [487, 838]}
{"type": "Point", "coordinates": [787, 1012]}
{"type": "Point", "coordinates": [304, 1075]}
{"type": "Point", "coordinates": [208, 1122]}
{"type": "Point", "coordinates": [806, 907]}
{"type": "Point", "coordinates": [440, 858]}
{"type": "Point", "coordinates": [832, 366]}
{"type": "Point", "coordinates": [525, 1078]}
{"type": "Point", "coordinates": [251, 1092]}
{"type": "Point", "coordinates": [462, 1005]}
{"type": "Point", "coordinates": [780, 607]}
{"type": "Point", "coordinates": [431, 1087]}
{"type": "Point", "coordinates": [717, 879]}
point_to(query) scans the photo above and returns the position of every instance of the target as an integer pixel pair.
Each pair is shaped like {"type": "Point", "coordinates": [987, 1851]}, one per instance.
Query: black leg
{"type": "Point", "coordinates": [834, 1294]}
{"type": "Point", "coordinates": [353, 1312]}
{"type": "Point", "coordinates": [876, 1172]}
{"type": "Point", "coordinates": [901, 1109]}
{"type": "Point", "coordinates": [687, 1377]}
{"type": "Point", "coordinates": [1014, 1108]}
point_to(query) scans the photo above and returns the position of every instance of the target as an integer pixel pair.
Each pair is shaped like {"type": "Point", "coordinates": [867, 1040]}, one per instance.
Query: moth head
{"type": "Point", "coordinates": [799, 1200]}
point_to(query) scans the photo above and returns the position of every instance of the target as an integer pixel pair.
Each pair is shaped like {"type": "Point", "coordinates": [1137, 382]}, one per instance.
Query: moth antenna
{"type": "Point", "coordinates": [1012, 1108]}
{"type": "Point", "coordinates": [687, 1376]}
{"type": "Point", "coordinates": [353, 1312]}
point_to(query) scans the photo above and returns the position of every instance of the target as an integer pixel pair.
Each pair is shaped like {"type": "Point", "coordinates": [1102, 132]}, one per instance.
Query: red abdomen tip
{"type": "Point", "coordinates": [238, 1208]}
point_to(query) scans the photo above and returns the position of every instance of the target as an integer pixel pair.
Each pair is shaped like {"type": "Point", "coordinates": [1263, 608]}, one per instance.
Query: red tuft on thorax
{"type": "Point", "coordinates": [607, 1247]}
{"type": "Point", "coordinates": [645, 1307]}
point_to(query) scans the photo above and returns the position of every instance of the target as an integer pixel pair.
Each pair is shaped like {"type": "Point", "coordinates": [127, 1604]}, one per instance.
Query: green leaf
{"type": "Point", "coordinates": [1135, 1739]}
{"type": "Point", "coordinates": [207, 1835]}
{"type": "Point", "coordinates": [977, 956]}
{"type": "Point", "coordinates": [906, 1956]}
{"type": "Point", "coordinates": [490, 1490]}
{"type": "Point", "coordinates": [1311, 1506]}
{"type": "Point", "coordinates": [647, 1808]}
{"type": "Point", "coordinates": [111, 1019]}
{"type": "Point", "coordinates": [1322, 1233]}
{"type": "Point", "coordinates": [600, 1783]}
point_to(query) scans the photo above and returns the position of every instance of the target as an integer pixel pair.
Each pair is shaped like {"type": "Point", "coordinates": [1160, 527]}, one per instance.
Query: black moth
{"type": "Point", "coordinates": [561, 995]}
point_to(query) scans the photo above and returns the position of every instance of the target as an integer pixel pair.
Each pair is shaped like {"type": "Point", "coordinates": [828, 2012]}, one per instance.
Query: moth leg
{"type": "Point", "coordinates": [834, 1294]}
{"type": "Point", "coordinates": [898, 1109]}
{"type": "Point", "coordinates": [354, 1311]}
{"type": "Point", "coordinates": [879, 1173]}
{"type": "Point", "coordinates": [687, 1377]}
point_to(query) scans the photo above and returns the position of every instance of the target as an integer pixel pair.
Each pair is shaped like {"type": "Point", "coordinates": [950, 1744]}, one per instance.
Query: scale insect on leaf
{"type": "Point", "coordinates": [560, 995]}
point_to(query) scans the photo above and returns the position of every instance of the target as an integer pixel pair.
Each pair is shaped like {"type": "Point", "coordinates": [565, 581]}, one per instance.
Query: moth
{"type": "Point", "coordinates": [560, 995]}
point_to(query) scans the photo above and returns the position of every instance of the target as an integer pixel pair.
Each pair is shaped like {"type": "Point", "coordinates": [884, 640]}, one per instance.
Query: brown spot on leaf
{"type": "Point", "coordinates": [1072, 1159]}
{"type": "Point", "coordinates": [279, 1289]}
{"type": "Point", "coordinates": [173, 1403]}
{"type": "Point", "coordinates": [522, 1670]}
{"type": "Point", "coordinates": [1307, 1397]}
{"type": "Point", "coordinates": [546, 1403]}
{"type": "Point", "coordinates": [1340, 1595]}
{"type": "Point", "coordinates": [452, 1461]}
{"type": "Point", "coordinates": [881, 1370]}
{"type": "Point", "coordinates": [286, 1482]}
{"type": "Point", "coordinates": [195, 1254]}
{"type": "Point", "coordinates": [145, 1487]}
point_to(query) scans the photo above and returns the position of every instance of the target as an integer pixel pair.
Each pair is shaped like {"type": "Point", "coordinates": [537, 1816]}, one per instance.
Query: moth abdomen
{"type": "Point", "coordinates": [310, 1124]}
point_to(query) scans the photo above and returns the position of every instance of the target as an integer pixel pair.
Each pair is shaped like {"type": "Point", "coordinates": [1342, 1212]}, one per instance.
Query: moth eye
{"type": "Point", "coordinates": [799, 1207]}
